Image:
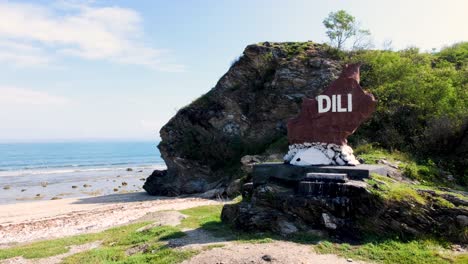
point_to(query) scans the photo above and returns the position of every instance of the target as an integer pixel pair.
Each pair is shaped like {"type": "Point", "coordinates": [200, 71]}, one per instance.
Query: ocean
{"type": "Point", "coordinates": [41, 171]}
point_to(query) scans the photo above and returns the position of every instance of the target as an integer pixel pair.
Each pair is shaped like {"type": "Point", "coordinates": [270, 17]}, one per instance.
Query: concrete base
{"type": "Point", "coordinates": [263, 172]}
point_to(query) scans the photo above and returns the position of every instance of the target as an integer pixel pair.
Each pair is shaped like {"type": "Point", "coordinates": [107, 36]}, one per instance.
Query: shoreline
{"type": "Point", "coordinates": [32, 221]}
{"type": "Point", "coordinates": [17, 189]}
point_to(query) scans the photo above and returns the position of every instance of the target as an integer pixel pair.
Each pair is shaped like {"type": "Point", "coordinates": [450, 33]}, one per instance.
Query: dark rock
{"type": "Point", "coordinates": [74, 186]}
{"type": "Point", "coordinates": [243, 114]}
{"type": "Point", "coordinates": [156, 184]}
{"type": "Point", "coordinates": [124, 183]}
{"type": "Point", "coordinates": [86, 185]}
{"type": "Point", "coordinates": [348, 209]}
{"type": "Point", "coordinates": [247, 189]}
{"type": "Point", "coordinates": [129, 169]}
{"type": "Point", "coordinates": [234, 188]}
{"type": "Point", "coordinates": [267, 258]}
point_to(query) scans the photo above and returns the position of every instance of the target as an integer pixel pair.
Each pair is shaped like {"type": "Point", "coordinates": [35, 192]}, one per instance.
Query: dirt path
{"type": "Point", "coordinates": [26, 222]}
{"type": "Point", "coordinates": [275, 252]}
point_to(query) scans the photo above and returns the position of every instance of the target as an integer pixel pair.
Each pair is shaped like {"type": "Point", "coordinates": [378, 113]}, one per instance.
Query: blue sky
{"type": "Point", "coordinates": [107, 70]}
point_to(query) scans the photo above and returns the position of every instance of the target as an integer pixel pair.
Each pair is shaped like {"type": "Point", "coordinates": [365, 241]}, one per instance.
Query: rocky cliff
{"type": "Point", "coordinates": [244, 114]}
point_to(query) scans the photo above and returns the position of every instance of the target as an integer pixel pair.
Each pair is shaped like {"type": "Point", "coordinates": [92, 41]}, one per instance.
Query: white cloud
{"type": "Point", "coordinates": [19, 96]}
{"type": "Point", "coordinates": [82, 30]}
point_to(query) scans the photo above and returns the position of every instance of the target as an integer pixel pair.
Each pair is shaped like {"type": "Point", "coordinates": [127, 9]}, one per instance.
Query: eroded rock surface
{"type": "Point", "coordinates": [244, 114]}
{"type": "Point", "coordinates": [348, 209]}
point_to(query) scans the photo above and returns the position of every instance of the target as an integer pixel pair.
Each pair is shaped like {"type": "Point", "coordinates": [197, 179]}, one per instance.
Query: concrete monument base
{"type": "Point", "coordinates": [264, 172]}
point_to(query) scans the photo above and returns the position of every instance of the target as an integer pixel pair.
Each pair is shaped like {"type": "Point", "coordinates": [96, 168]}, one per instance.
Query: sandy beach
{"type": "Point", "coordinates": [30, 221]}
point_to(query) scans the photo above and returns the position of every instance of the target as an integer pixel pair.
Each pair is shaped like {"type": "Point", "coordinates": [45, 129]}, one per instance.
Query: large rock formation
{"type": "Point", "coordinates": [349, 208]}
{"type": "Point", "coordinates": [244, 114]}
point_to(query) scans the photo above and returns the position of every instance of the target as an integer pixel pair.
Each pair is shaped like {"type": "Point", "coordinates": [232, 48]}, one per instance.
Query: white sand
{"type": "Point", "coordinates": [31, 221]}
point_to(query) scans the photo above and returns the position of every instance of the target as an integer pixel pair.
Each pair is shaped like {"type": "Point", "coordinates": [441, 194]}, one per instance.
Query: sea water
{"type": "Point", "coordinates": [38, 171]}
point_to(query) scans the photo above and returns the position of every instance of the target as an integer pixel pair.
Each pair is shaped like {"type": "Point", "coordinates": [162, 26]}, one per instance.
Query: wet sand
{"type": "Point", "coordinates": [75, 184]}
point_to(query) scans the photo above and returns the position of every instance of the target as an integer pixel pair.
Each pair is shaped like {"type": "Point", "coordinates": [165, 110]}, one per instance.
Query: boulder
{"type": "Point", "coordinates": [349, 208]}
{"type": "Point", "coordinates": [244, 114]}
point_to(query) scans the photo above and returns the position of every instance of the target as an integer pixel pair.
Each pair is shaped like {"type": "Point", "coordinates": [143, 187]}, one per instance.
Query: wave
{"type": "Point", "coordinates": [85, 168]}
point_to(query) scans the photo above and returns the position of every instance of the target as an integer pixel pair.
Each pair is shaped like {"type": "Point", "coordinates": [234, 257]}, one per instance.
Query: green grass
{"type": "Point", "coordinates": [152, 249]}
{"type": "Point", "coordinates": [393, 251]}
{"type": "Point", "coordinates": [391, 190]}
{"type": "Point", "coordinates": [412, 168]}
{"type": "Point", "coordinates": [54, 247]}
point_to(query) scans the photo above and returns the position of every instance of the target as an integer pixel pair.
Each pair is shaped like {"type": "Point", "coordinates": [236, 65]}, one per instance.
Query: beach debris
{"type": "Point", "coordinates": [87, 185]}
{"type": "Point", "coordinates": [129, 169]}
{"type": "Point", "coordinates": [6, 187]}
{"type": "Point", "coordinates": [267, 258]}
{"type": "Point", "coordinates": [116, 189]}
{"type": "Point", "coordinates": [74, 186]}
{"type": "Point", "coordinates": [124, 183]}
{"type": "Point", "coordinates": [44, 184]}
{"type": "Point", "coordinates": [55, 198]}
{"type": "Point", "coordinates": [23, 190]}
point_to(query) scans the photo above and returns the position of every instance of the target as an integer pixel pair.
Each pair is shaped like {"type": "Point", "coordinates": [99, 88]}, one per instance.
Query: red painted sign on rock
{"type": "Point", "coordinates": [335, 114]}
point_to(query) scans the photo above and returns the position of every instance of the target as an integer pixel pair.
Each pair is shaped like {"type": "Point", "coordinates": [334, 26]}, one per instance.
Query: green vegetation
{"type": "Point", "coordinates": [59, 246]}
{"type": "Point", "coordinates": [391, 190]}
{"type": "Point", "coordinates": [412, 168]}
{"type": "Point", "coordinates": [341, 27]}
{"type": "Point", "coordinates": [422, 109]}
{"type": "Point", "coordinates": [393, 251]}
{"type": "Point", "coordinates": [149, 247]}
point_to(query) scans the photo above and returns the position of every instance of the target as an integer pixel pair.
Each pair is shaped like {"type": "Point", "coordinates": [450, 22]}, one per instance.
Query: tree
{"type": "Point", "coordinates": [342, 26]}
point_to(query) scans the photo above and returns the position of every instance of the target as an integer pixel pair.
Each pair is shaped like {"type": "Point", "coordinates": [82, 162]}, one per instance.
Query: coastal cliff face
{"type": "Point", "coordinates": [244, 114]}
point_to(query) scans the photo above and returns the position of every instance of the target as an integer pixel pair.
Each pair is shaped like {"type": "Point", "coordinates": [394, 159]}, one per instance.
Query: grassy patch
{"type": "Point", "coordinates": [115, 242]}
{"type": "Point", "coordinates": [157, 254]}
{"type": "Point", "coordinates": [393, 251]}
{"type": "Point", "coordinates": [391, 190]}
{"type": "Point", "coordinates": [54, 247]}
{"type": "Point", "coordinates": [412, 168]}
{"type": "Point", "coordinates": [149, 243]}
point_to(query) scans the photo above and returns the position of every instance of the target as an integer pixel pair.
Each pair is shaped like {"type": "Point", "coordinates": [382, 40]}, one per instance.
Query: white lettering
{"type": "Point", "coordinates": [350, 102]}
{"type": "Point", "coordinates": [338, 102]}
{"type": "Point", "coordinates": [325, 104]}
{"type": "Point", "coordinates": [321, 107]}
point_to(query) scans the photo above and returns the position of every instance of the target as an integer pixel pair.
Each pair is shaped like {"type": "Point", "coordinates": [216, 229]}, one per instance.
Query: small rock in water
{"type": "Point", "coordinates": [44, 184]}
{"type": "Point", "coordinates": [38, 195]}
{"type": "Point", "coordinates": [129, 169]}
{"type": "Point", "coordinates": [7, 187]}
{"type": "Point", "coordinates": [23, 190]}
{"type": "Point", "coordinates": [116, 190]}
{"type": "Point", "coordinates": [124, 184]}
{"type": "Point", "coordinates": [267, 258]}
{"type": "Point", "coordinates": [55, 198]}
{"type": "Point", "coordinates": [142, 179]}
{"type": "Point", "coordinates": [86, 185]}
{"type": "Point", "coordinates": [118, 176]}
{"type": "Point", "coordinates": [74, 187]}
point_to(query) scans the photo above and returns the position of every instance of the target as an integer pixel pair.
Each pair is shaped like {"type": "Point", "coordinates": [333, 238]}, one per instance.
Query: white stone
{"type": "Point", "coordinates": [327, 220]}
{"type": "Point", "coordinates": [340, 162]}
{"type": "Point", "coordinates": [311, 156]}
{"type": "Point", "coordinates": [330, 153]}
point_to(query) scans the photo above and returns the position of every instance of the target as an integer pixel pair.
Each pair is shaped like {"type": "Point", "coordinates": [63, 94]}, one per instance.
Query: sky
{"type": "Point", "coordinates": [119, 70]}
